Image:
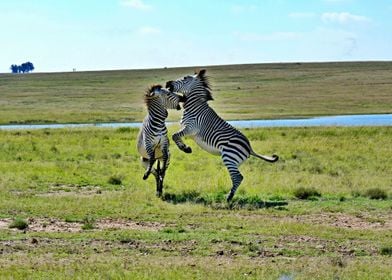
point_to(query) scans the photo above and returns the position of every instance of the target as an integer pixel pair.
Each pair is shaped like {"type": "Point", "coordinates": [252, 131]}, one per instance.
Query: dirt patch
{"type": "Point", "coordinates": [347, 221]}
{"type": "Point", "coordinates": [56, 225]}
{"type": "Point", "coordinates": [71, 189]}
{"type": "Point", "coordinates": [128, 224]}
{"type": "Point", "coordinates": [346, 248]}
{"type": "Point", "coordinates": [97, 246]}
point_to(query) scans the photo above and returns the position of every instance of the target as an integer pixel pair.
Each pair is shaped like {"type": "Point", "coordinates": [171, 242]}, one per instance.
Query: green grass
{"type": "Point", "coordinates": [376, 193]}
{"type": "Point", "coordinates": [263, 90]}
{"type": "Point", "coordinates": [19, 224]}
{"type": "Point", "coordinates": [306, 193]}
{"type": "Point", "coordinates": [62, 178]}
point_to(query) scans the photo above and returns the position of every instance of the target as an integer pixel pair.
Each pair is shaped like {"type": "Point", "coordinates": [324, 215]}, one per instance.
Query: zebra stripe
{"type": "Point", "coordinates": [153, 142]}
{"type": "Point", "coordinates": [209, 130]}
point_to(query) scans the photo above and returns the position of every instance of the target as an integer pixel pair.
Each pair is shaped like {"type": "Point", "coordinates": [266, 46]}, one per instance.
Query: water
{"type": "Point", "coordinates": [343, 120]}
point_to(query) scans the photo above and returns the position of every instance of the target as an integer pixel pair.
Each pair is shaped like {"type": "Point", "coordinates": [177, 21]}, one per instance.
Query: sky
{"type": "Point", "coordinates": [134, 34]}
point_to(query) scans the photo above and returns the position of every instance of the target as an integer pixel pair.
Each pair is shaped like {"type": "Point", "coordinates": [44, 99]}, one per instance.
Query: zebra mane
{"type": "Point", "coordinates": [148, 97]}
{"type": "Point", "coordinates": [205, 83]}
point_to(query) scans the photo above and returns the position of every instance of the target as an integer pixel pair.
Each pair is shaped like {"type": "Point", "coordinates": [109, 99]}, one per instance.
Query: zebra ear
{"type": "Point", "coordinates": [154, 89]}
{"type": "Point", "coordinates": [202, 73]}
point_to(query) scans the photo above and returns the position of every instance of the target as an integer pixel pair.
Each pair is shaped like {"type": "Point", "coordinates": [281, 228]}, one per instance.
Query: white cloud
{"type": "Point", "coordinates": [275, 36]}
{"type": "Point", "coordinates": [136, 4]}
{"type": "Point", "coordinates": [343, 18]}
{"type": "Point", "coordinates": [148, 30]}
{"type": "Point", "coordinates": [302, 15]}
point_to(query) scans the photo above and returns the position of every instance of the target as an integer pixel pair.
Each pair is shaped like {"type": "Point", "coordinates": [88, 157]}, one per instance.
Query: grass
{"type": "Point", "coordinates": [376, 193]}
{"type": "Point", "coordinates": [88, 223]}
{"type": "Point", "coordinates": [281, 90]}
{"type": "Point", "coordinates": [115, 179]}
{"type": "Point", "coordinates": [192, 233]}
{"type": "Point", "coordinates": [306, 193]}
{"type": "Point", "coordinates": [323, 211]}
{"type": "Point", "coordinates": [19, 223]}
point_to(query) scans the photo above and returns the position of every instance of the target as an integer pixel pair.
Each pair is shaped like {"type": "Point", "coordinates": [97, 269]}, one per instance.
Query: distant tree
{"type": "Point", "coordinates": [28, 66]}
{"type": "Point", "coordinates": [25, 67]}
{"type": "Point", "coordinates": [14, 68]}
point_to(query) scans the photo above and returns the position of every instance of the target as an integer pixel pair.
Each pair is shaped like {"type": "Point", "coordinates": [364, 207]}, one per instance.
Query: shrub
{"type": "Point", "coordinates": [88, 223]}
{"type": "Point", "coordinates": [115, 180]}
{"type": "Point", "coordinates": [386, 251]}
{"type": "Point", "coordinates": [376, 193]}
{"type": "Point", "coordinates": [306, 193]}
{"type": "Point", "coordinates": [19, 224]}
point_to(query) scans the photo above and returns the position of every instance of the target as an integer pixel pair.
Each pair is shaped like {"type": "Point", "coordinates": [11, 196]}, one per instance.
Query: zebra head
{"type": "Point", "coordinates": [170, 100]}
{"type": "Point", "coordinates": [191, 85]}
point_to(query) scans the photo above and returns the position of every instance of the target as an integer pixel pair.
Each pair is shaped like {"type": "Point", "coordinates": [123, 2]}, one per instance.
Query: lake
{"type": "Point", "coordinates": [343, 120]}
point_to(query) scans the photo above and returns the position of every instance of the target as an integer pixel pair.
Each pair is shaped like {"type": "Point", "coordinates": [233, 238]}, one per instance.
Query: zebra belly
{"type": "Point", "coordinates": [208, 148]}
{"type": "Point", "coordinates": [143, 152]}
{"type": "Point", "coordinates": [158, 150]}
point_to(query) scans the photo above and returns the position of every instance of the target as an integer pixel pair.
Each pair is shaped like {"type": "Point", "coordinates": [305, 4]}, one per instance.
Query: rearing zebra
{"type": "Point", "coordinates": [153, 143]}
{"type": "Point", "coordinates": [211, 132]}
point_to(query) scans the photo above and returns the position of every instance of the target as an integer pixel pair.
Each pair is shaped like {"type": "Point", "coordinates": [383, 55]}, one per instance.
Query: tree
{"type": "Point", "coordinates": [23, 68]}
{"type": "Point", "coordinates": [14, 68]}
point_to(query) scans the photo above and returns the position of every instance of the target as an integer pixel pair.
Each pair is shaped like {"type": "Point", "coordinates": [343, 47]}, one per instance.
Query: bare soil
{"type": "Point", "coordinates": [56, 225]}
{"type": "Point", "coordinates": [383, 222]}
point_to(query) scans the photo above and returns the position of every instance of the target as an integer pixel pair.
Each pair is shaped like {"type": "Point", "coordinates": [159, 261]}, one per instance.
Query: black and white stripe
{"type": "Point", "coordinates": [153, 142]}
{"type": "Point", "coordinates": [210, 131]}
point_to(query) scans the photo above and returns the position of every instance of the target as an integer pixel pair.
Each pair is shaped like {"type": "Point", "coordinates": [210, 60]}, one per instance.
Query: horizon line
{"type": "Point", "coordinates": [207, 65]}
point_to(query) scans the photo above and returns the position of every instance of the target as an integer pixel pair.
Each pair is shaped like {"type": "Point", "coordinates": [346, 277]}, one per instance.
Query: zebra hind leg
{"type": "Point", "coordinates": [235, 175]}
{"type": "Point", "coordinates": [150, 167]}
{"type": "Point", "coordinates": [236, 179]}
{"type": "Point", "coordinates": [157, 174]}
{"type": "Point", "coordinates": [159, 179]}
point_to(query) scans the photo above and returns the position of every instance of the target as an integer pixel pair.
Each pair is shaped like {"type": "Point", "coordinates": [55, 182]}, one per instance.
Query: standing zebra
{"type": "Point", "coordinates": [211, 132]}
{"type": "Point", "coordinates": [153, 143]}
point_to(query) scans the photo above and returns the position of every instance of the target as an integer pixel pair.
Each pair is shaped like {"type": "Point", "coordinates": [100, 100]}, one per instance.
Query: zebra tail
{"type": "Point", "coordinates": [274, 158]}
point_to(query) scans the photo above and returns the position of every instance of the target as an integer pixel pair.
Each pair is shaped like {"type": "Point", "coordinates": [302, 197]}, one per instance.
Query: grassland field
{"type": "Point", "coordinates": [73, 204]}
{"type": "Point", "coordinates": [257, 91]}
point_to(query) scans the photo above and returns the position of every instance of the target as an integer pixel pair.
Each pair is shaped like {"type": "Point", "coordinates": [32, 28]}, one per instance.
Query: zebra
{"type": "Point", "coordinates": [153, 142]}
{"type": "Point", "coordinates": [209, 130]}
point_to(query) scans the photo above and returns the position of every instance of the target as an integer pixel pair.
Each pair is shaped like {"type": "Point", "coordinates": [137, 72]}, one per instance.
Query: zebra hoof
{"type": "Point", "coordinates": [145, 176]}
{"type": "Point", "coordinates": [229, 197]}
{"type": "Point", "coordinates": [188, 150]}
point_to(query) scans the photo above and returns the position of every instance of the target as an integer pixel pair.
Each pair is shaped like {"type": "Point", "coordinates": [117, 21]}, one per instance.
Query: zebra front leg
{"type": "Point", "coordinates": [180, 144]}
{"type": "Point", "coordinates": [235, 175]}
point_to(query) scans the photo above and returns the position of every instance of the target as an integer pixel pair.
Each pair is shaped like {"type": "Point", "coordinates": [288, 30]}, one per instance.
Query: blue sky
{"type": "Point", "coordinates": [132, 34]}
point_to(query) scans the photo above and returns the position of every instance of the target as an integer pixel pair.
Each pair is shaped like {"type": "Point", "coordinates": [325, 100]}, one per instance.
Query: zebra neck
{"type": "Point", "coordinates": [156, 111]}
{"type": "Point", "coordinates": [195, 104]}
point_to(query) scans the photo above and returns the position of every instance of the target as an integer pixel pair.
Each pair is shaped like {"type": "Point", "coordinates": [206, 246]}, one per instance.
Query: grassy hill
{"type": "Point", "coordinates": [262, 90]}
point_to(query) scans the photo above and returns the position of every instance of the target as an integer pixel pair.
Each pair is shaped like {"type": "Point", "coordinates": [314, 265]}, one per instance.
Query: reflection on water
{"type": "Point", "coordinates": [344, 120]}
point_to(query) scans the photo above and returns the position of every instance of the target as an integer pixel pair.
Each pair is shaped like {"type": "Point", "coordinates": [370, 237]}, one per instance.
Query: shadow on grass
{"type": "Point", "coordinates": [218, 200]}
